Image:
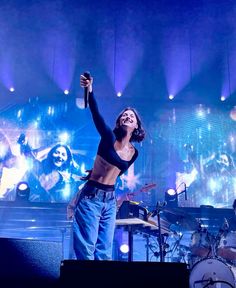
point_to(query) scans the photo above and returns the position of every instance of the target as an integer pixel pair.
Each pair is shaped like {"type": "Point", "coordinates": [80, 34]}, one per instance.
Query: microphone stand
{"type": "Point", "coordinates": [159, 207]}
{"type": "Point", "coordinates": [183, 191]}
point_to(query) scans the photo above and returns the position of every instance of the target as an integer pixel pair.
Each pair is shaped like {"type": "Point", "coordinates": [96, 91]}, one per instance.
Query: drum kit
{"type": "Point", "coordinates": [212, 260]}
{"type": "Point", "coordinates": [211, 253]}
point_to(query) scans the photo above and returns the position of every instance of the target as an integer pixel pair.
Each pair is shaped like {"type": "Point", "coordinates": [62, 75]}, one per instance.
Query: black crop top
{"type": "Point", "coordinates": [106, 146]}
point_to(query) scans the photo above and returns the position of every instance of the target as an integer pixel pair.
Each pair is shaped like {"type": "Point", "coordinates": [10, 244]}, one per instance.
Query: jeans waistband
{"type": "Point", "coordinates": [105, 187]}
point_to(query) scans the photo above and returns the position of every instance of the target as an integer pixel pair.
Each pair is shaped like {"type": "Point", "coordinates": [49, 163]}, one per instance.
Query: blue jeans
{"type": "Point", "coordinates": [94, 223]}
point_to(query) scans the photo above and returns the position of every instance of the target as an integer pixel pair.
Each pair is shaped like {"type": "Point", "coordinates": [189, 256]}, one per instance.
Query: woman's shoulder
{"type": "Point", "coordinates": [133, 148]}
{"type": "Point", "coordinates": [135, 152]}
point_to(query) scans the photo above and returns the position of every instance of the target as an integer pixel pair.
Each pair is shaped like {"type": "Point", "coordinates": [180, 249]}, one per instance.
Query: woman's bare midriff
{"type": "Point", "coordinates": [104, 172]}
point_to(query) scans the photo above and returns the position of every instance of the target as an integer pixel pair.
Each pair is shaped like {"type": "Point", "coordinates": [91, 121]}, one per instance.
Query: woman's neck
{"type": "Point", "coordinates": [124, 141]}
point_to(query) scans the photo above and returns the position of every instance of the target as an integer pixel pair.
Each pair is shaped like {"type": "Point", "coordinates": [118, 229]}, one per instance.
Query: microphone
{"type": "Point", "coordinates": [159, 206]}
{"type": "Point", "coordinates": [88, 76]}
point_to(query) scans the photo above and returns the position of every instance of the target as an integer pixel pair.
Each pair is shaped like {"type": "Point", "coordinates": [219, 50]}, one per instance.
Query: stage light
{"type": "Point", "coordinates": [171, 192]}
{"type": "Point", "coordinates": [171, 96]}
{"type": "Point", "coordinates": [22, 191]}
{"type": "Point", "coordinates": [119, 94]}
{"type": "Point", "coordinates": [124, 248]}
{"type": "Point", "coordinates": [66, 92]}
{"type": "Point", "coordinates": [171, 197]}
{"type": "Point", "coordinates": [12, 89]}
{"type": "Point", "coordinates": [222, 98]}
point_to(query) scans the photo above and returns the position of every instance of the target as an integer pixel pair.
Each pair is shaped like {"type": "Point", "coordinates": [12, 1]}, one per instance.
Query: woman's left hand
{"type": "Point", "coordinates": [85, 82]}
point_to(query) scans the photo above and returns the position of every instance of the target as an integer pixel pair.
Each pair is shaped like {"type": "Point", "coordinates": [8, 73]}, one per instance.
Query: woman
{"type": "Point", "coordinates": [58, 174]}
{"type": "Point", "coordinates": [54, 178]}
{"type": "Point", "coordinates": [95, 207]}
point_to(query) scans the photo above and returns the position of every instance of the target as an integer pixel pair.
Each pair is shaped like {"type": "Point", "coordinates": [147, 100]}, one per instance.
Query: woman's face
{"type": "Point", "coordinates": [224, 160]}
{"type": "Point", "coordinates": [129, 119]}
{"type": "Point", "coordinates": [59, 156]}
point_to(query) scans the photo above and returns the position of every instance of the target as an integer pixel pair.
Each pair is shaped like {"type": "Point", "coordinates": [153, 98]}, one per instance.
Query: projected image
{"type": "Point", "coordinates": [11, 170]}
{"type": "Point", "coordinates": [186, 147]}
{"type": "Point", "coordinates": [55, 177]}
{"type": "Point", "coordinates": [52, 173]}
{"type": "Point", "coordinates": [48, 160]}
{"type": "Point", "coordinates": [197, 154]}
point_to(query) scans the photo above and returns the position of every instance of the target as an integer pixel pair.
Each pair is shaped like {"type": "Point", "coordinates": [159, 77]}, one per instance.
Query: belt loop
{"type": "Point", "coordinates": [104, 196]}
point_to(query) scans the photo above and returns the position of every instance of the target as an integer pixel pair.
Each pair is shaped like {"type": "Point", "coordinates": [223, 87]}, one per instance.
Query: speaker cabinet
{"type": "Point", "coordinates": [29, 263]}
{"type": "Point", "coordinates": [123, 274]}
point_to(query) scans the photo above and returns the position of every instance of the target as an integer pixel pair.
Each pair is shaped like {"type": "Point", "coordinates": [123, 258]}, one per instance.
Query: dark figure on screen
{"type": "Point", "coordinates": [95, 204]}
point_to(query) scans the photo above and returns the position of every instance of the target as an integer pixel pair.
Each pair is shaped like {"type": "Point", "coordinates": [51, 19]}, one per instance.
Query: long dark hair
{"type": "Point", "coordinates": [48, 162]}
{"type": "Point", "coordinates": [138, 133]}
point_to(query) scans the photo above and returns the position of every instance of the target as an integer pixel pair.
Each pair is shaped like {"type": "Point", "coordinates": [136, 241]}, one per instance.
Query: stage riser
{"type": "Point", "coordinates": [29, 262]}
{"type": "Point", "coordinates": [123, 274]}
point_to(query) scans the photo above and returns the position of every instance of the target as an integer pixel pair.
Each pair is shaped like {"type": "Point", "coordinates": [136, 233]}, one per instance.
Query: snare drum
{"type": "Point", "coordinates": [200, 244]}
{"type": "Point", "coordinates": [211, 269]}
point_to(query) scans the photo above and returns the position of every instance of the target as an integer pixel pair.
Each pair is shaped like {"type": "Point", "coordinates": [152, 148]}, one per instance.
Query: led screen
{"type": "Point", "coordinates": [188, 148]}
{"type": "Point", "coordinates": [193, 151]}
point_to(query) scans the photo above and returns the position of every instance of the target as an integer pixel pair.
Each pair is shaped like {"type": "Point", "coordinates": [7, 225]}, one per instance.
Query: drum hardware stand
{"type": "Point", "coordinates": [212, 248]}
{"type": "Point", "coordinates": [160, 237]}
{"type": "Point", "coordinates": [215, 240]}
{"type": "Point", "coordinates": [147, 246]}
{"type": "Point", "coordinates": [184, 190]}
{"type": "Point", "coordinates": [177, 246]}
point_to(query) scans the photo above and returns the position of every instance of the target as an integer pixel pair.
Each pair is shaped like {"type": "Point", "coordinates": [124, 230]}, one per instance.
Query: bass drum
{"type": "Point", "coordinates": [211, 269]}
